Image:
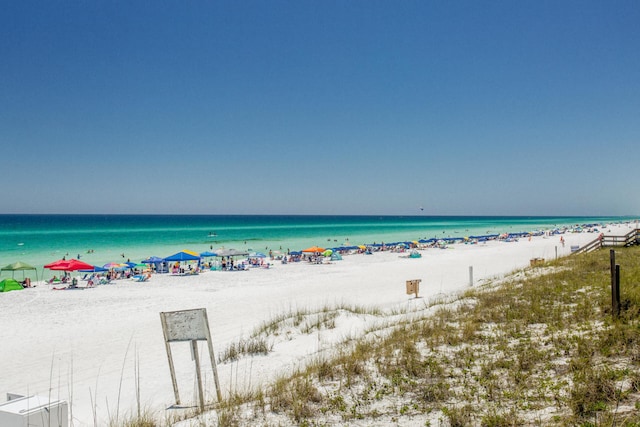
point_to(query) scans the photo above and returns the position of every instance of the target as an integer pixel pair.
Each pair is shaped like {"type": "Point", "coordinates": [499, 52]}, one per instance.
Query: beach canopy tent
{"type": "Point", "coordinates": [69, 265]}
{"type": "Point", "coordinates": [10, 285]}
{"type": "Point", "coordinates": [157, 262]}
{"type": "Point", "coordinates": [153, 260]}
{"type": "Point", "coordinates": [183, 256]}
{"type": "Point", "coordinates": [231, 252]}
{"type": "Point", "coordinates": [208, 254]}
{"type": "Point", "coordinates": [19, 266]}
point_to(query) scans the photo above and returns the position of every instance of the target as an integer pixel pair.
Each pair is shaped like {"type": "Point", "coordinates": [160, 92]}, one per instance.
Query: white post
{"type": "Point", "coordinates": [470, 275]}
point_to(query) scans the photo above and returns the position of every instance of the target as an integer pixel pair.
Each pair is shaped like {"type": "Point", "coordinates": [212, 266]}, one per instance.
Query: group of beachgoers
{"type": "Point", "coordinates": [316, 256]}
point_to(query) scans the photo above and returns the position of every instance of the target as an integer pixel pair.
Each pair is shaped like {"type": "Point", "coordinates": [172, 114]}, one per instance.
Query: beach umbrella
{"type": "Point", "coordinates": [207, 254]}
{"type": "Point", "coordinates": [55, 263]}
{"type": "Point", "coordinates": [112, 265]}
{"type": "Point", "coordinates": [257, 255]}
{"type": "Point", "coordinates": [328, 252]}
{"type": "Point", "coordinates": [95, 269]}
{"type": "Point", "coordinates": [314, 249]}
{"type": "Point", "coordinates": [70, 265]}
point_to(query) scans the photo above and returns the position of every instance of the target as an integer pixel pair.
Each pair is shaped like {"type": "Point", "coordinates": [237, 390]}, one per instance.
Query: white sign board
{"type": "Point", "coordinates": [185, 325]}
{"type": "Point", "coordinates": [189, 325]}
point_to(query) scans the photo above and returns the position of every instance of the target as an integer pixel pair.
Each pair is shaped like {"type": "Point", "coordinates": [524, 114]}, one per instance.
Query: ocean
{"type": "Point", "coordinates": [99, 239]}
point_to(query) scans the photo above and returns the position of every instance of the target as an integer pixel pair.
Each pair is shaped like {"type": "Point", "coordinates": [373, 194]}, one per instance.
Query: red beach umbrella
{"type": "Point", "coordinates": [69, 265]}
{"type": "Point", "coordinates": [55, 263]}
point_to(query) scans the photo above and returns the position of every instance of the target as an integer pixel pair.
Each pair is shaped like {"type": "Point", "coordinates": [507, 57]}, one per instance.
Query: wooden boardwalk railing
{"type": "Point", "coordinates": [631, 238]}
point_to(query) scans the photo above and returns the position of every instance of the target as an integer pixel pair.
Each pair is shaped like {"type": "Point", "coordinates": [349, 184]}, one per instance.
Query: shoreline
{"type": "Point", "coordinates": [81, 346]}
{"type": "Point", "coordinates": [120, 245]}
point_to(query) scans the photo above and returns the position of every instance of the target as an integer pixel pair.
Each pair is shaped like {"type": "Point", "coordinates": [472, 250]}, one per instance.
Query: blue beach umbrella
{"type": "Point", "coordinates": [257, 255]}
{"type": "Point", "coordinates": [95, 269]}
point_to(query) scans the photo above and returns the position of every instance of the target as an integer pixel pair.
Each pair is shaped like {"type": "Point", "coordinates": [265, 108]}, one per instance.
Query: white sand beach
{"type": "Point", "coordinates": [84, 346]}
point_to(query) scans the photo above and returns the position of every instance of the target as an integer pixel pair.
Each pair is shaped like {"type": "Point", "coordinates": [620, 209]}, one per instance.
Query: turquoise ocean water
{"type": "Point", "coordinates": [98, 239]}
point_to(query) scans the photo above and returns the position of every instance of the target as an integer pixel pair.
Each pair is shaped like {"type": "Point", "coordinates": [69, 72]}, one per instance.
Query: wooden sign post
{"type": "Point", "coordinates": [615, 285]}
{"type": "Point", "coordinates": [193, 326]}
{"type": "Point", "coordinates": [413, 287]}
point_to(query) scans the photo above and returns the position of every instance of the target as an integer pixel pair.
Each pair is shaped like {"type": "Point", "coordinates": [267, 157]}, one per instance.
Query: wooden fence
{"type": "Point", "coordinates": [631, 238]}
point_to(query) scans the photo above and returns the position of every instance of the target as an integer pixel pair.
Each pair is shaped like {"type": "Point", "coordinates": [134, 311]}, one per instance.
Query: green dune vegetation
{"type": "Point", "coordinates": [540, 347]}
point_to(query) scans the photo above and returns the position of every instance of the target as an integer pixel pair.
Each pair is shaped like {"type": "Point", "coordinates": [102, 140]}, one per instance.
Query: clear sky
{"type": "Point", "coordinates": [320, 107]}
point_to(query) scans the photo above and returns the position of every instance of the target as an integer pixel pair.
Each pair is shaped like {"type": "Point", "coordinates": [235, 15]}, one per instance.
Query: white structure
{"type": "Point", "coordinates": [33, 411]}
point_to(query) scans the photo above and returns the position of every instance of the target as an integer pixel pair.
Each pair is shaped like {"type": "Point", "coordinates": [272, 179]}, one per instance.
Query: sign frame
{"type": "Point", "coordinates": [189, 325]}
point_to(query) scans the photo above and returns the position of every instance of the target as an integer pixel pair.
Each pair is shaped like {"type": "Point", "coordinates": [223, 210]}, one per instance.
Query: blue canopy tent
{"type": "Point", "coordinates": [182, 256]}
{"type": "Point", "coordinates": [157, 262]}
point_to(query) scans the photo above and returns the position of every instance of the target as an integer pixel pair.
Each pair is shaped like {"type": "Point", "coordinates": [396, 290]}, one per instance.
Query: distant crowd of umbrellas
{"type": "Point", "coordinates": [187, 255]}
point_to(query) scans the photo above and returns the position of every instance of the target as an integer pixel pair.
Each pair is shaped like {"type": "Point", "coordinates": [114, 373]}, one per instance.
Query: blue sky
{"type": "Point", "coordinates": [321, 107]}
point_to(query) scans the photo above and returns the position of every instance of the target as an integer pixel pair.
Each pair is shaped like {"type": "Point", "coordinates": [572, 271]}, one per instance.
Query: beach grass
{"type": "Point", "coordinates": [304, 321]}
{"type": "Point", "coordinates": [539, 347]}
